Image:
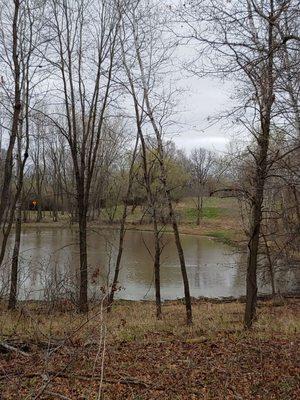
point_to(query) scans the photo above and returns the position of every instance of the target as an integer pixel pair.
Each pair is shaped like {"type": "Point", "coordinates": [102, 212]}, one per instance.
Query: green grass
{"type": "Point", "coordinates": [217, 212]}
{"type": "Point", "coordinates": [223, 236]}
{"type": "Point", "coordinates": [190, 214]}
{"type": "Point", "coordinates": [224, 203]}
{"type": "Point", "coordinates": [213, 208]}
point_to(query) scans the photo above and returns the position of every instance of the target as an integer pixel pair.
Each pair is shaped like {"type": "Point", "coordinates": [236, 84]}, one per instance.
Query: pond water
{"type": "Point", "coordinates": [50, 261]}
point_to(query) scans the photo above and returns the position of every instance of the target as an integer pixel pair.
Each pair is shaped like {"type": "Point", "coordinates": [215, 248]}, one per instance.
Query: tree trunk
{"type": "Point", "coordinates": [187, 296]}
{"type": "Point", "coordinates": [265, 102]}
{"type": "Point", "coordinates": [157, 271]}
{"type": "Point", "coordinates": [297, 204]}
{"type": "Point", "coordinates": [8, 165]}
{"type": "Point", "coordinates": [270, 266]}
{"type": "Point", "coordinates": [15, 260]}
{"type": "Point", "coordinates": [152, 204]}
{"type": "Point", "coordinates": [39, 215]}
{"type": "Point", "coordinates": [256, 217]}
{"type": "Point", "coordinates": [83, 286]}
{"type": "Point", "coordinates": [118, 262]}
{"type": "Point", "coordinates": [18, 213]}
{"type": "Point", "coordinates": [188, 304]}
{"type": "Point", "coordinates": [55, 204]}
{"type": "Point", "coordinates": [122, 228]}
{"type": "Point", "coordinates": [150, 197]}
{"type": "Point", "coordinates": [198, 209]}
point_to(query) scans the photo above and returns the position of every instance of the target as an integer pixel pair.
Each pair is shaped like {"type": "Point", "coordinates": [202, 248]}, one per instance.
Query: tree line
{"type": "Point", "coordinates": [86, 108]}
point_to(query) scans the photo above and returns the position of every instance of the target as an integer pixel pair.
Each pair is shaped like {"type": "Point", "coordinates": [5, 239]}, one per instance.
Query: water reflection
{"type": "Point", "coordinates": [50, 257]}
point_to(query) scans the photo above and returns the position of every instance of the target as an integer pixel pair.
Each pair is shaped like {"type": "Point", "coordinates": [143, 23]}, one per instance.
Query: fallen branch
{"type": "Point", "coordinates": [86, 377]}
{"type": "Point", "coordinates": [8, 347]}
{"type": "Point", "coordinates": [90, 377]}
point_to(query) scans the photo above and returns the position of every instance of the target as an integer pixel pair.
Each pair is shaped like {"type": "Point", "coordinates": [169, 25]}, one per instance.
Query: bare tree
{"type": "Point", "coordinates": [21, 161]}
{"type": "Point", "coordinates": [15, 68]}
{"type": "Point", "coordinates": [38, 156]}
{"type": "Point", "coordinates": [149, 56]}
{"type": "Point", "coordinates": [122, 232]}
{"type": "Point", "coordinates": [82, 56]}
{"type": "Point", "coordinates": [18, 45]}
{"type": "Point", "coordinates": [201, 165]}
{"type": "Point", "coordinates": [248, 38]}
{"type": "Point", "coordinates": [147, 181]}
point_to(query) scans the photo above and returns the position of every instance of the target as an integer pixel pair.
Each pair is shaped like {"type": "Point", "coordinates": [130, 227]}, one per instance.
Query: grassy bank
{"type": "Point", "coordinates": [149, 359]}
{"type": "Point", "coordinates": [221, 219]}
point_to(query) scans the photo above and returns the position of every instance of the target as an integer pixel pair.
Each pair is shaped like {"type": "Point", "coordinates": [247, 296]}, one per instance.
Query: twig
{"type": "Point", "coordinates": [12, 348]}
{"type": "Point", "coordinates": [88, 377]}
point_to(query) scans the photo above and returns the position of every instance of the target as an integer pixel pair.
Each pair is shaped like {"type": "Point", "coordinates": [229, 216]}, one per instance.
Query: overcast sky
{"type": "Point", "coordinates": [204, 98]}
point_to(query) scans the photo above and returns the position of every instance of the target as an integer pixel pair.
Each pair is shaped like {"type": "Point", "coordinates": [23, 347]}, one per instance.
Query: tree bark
{"type": "Point", "coordinates": [266, 101]}
{"type": "Point", "coordinates": [83, 288]}
{"type": "Point", "coordinates": [8, 165]}
{"type": "Point", "coordinates": [15, 260]}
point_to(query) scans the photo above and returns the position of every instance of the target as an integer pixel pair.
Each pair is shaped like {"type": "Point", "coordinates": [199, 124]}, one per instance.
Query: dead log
{"type": "Point", "coordinates": [5, 348]}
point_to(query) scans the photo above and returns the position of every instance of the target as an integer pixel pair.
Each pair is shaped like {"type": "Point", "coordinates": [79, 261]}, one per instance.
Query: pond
{"type": "Point", "coordinates": [50, 261]}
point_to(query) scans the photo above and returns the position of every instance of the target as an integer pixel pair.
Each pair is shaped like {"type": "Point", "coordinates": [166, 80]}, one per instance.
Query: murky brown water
{"type": "Point", "coordinates": [50, 259]}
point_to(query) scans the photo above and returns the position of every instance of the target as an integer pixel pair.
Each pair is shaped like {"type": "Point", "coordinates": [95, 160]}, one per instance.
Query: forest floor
{"type": "Point", "coordinates": [128, 354]}
{"type": "Point", "coordinates": [221, 219]}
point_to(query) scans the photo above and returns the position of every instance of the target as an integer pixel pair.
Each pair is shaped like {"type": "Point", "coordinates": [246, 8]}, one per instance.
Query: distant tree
{"type": "Point", "coordinates": [38, 156]}
{"type": "Point", "coordinates": [202, 162]}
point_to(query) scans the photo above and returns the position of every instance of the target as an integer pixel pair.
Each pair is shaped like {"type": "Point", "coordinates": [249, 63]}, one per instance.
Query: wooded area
{"type": "Point", "coordinates": [88, 104]}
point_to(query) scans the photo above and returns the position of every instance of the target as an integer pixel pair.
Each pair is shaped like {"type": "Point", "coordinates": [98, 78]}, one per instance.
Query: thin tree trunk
{"type": "Point", "coordinates": [157, 271]}
{"type": "Point", "coordinates": [39, 215]}
{"type": "Point", "coordinates": [255, 227]}
{"type": "Point", "coordinates": [198, 209]}
{"type": "Point", "coordinates": [83, 289]}
{"type": "Point", "coordinates": [156, 234]}
{"type": "Point", "coordinates": [297, 203]}
{"type": "Point", "coordinates": [270, 265]}
{"type": "Point", "coordinates": [251, 284]}
{"type": "Point", "coordinates": [188, 304]}
{"type": "Point", "coordinates": [15, 260]}
{"type": "Point", "coordinates": [122, 229]}
{"type": "Point", "coordinates": [17, 206]}
{"type": "Point", "coordinates": [187, 296]}
{"type": "Point", "coordinates": [8, 165]}
{"type": "Point", "coordinates": [266, 103]}
{"type": "Point", "coordinates": [152, 205]}
{"type": "Point", "coordinates": [150, 197]}
{"type": "Point", "coordinates": [201, 205]}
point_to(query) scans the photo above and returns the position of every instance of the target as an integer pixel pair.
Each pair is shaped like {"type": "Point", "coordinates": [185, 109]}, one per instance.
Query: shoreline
{"type": "Point", "coordinates": [219, 235]}
{"type": "Point", "coordinates": [278, 298]}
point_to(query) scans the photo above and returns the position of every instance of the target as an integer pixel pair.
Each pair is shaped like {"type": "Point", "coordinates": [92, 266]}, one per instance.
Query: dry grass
{"type": "Point", "coordinates": [146, 359]}
{"type": "Point", "coordinates": [130, 321]}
